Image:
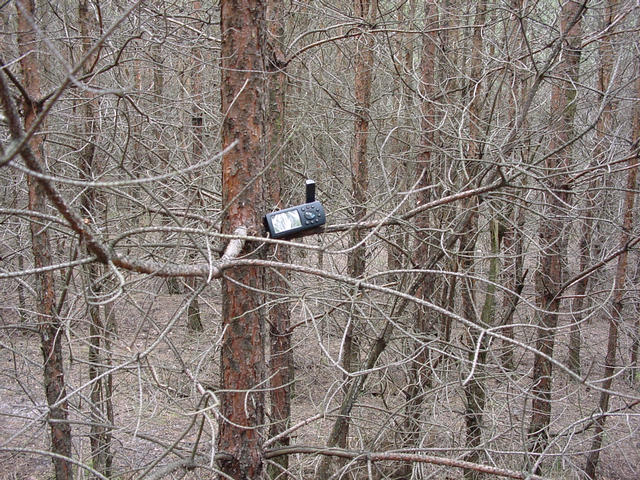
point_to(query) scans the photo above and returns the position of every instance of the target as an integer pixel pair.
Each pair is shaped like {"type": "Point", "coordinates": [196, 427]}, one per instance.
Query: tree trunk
{"type": "Point", "coordinates": [634, 376]}
{"type": "Point", "coordinates": [49, 325]}
{"type": "Point", "coordinates": [98, 354]}
{"type": "Point", "coordinates": [242, 366]}
{"type": "Point", "coordinates": [366, 10]}
{"type": "Point", "coordinates": [475, 396]}
{"type": "Point", "coordinates": [514, 250]}
{"type": "Point", "coordinates": [194, 321]}
{"type": "Point", "coordinates": [398, 166]}
{"type": "Point", "coordinates": [584, 250]}
{"type": "Point", "coordinates": [553, 229]}
{"type": "Point", "coordinates": [605, 125]}
{"type": "Point", "coordinates": [475, 388]}
{"type": "Point", "coordinates": [281, 353]}
{"type": "Point", "coordinates": [419, 370]}
{"type": "Point", "coordinates": [515, 218]}
{"type": "Point", "coordinates": [615, 313]}
{"type": "Point", "coordinates": [22, 302]}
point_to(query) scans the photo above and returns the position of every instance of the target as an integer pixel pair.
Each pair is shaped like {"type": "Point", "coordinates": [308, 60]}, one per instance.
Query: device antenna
{"type": "Point", "coordinates": [311, 191]}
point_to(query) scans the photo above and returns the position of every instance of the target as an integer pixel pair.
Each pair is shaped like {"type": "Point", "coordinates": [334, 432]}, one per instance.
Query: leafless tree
{"type": "Point", "coordinates": [474, 270]}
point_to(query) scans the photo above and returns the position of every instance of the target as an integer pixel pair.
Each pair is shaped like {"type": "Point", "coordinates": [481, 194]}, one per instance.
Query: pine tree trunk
{"type": "Point", "coordinates": [553, 231]}
{"type": "Point", "coordinates": [356, 263]}
{"type": "Point", "coordinates": [615, 313]}
{"type": "Point", "coordinates": [49, 324]}
{"type": "Point", "coordinates": [242, 366]}
{"type": "Point", "coordinates": [605, 125]}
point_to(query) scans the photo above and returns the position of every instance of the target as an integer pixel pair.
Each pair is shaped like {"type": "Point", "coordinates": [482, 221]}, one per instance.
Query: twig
{"type": "Point", "coordinates": [400, 457]}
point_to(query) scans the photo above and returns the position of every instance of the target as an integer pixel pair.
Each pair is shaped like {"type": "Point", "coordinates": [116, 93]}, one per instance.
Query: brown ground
{"type": "Point", "coordinates": [155, 406]}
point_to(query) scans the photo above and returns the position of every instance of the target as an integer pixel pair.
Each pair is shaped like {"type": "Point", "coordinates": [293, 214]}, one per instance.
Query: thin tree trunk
{"type": "Point", "coordinates": [242, 366]}
{"type": "Point", "coordinates": [101, 401]}
{"type": "Point", "coordinates": [553, 230]}
{"type": "Point", "coordinates": [635, 350]}
{"type": "Point", "coordinates": [475, 388]}
{"type": "Point", "coordinates": [615, 313]}
{"type": "Point", "coordinates": [605, 125]}
{"type": "Point", "coordinates": [513, 247]}
{"type": "Point", "coordinates": [419, 372]}
{"type": "Point", "coordinates": [22, 302]}
{"type": "Point", "coordinates": [356, 264]}
{"type": "Point", "coordinates": [400, 171]}
{"type": "Point", "coordinates": [449, 304]}
{"type": "Point", "coordinates": [194, 321]}
{"type": "Point", "coordinates": [584, 249]}
{"type": "Point", "coordinates": [475, 396]}
{"type": "Point", "coordinates": [49, 324]}
{"type": "Point", "coordinates": [515, 220]}
{"type": "Point", "coordinates": [281, 352]}
{"type": "Point", "coordinates": [634, 376]}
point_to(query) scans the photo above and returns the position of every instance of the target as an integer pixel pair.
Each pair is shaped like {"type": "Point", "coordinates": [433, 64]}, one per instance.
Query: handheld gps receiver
{"type": "Point", "coordinates": [287, 222]}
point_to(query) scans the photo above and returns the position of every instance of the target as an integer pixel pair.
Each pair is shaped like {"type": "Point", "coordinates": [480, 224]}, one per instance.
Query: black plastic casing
{"type": "Point", "coordinates": [282, 224]}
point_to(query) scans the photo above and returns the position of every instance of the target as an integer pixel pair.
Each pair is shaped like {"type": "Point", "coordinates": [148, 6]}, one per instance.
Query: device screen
{"type": "Point", "coordinates": [286, 221]}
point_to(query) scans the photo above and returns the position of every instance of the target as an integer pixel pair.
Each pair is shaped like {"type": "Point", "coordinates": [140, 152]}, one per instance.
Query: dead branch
{"type": "Point", "coordinates": [400, 457]}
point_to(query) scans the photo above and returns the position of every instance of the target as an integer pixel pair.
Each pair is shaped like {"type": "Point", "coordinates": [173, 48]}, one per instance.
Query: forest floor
{"type": "Point", "coordinates": [155, 402]}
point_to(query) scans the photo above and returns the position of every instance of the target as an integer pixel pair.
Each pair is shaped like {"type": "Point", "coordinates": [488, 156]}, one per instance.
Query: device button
{"type": "Point", "coordinates": [309, 215]}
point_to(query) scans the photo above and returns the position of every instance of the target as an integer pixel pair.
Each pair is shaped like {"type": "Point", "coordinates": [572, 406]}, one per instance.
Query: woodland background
{"type": "Point", "coordinates": [469, 310]}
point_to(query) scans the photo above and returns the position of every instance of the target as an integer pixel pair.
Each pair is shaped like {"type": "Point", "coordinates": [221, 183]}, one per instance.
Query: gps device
{"type": "Point", "coordinates": [287, 222]}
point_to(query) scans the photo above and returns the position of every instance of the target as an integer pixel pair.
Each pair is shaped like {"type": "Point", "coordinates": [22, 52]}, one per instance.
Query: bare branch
{"type": "Point", "coordinates": [400, 457]}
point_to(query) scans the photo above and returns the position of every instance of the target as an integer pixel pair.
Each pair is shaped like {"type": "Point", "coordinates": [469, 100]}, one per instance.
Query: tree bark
{"type": "Point", "coordinates": [99, 331]}
{"type": "Point", "coordinates": [553, 228]}
{"type": "Point", "coordinates": [584, 250]}
{"type": "Point", "coordinates": [194, 320]}
{"type": "Point", "coordinates": [513, 228]}
{"type": "Point", "coordinates": [615, 313]}
{"type": "Point", "coordinates": [514, 262]}
{"type": "Point", "coordinates": [419, 371]}
{"type": "Point", "coordinates": [475, 397]}
{"type": "Point", "coordinates": [356, 263]}
{"type": "Point", "coordinates": [398, 166]}
{"type": "Point", "coordinates": [605, 125]}
{"type": "Point", "coordinates": [475, 389]}
{"type": "Point", "coordinates": [242, 356]}
{"type": "Point", "coordinates": [49, 324]}
{"type": "Point", "coordinates": [281, 354]}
